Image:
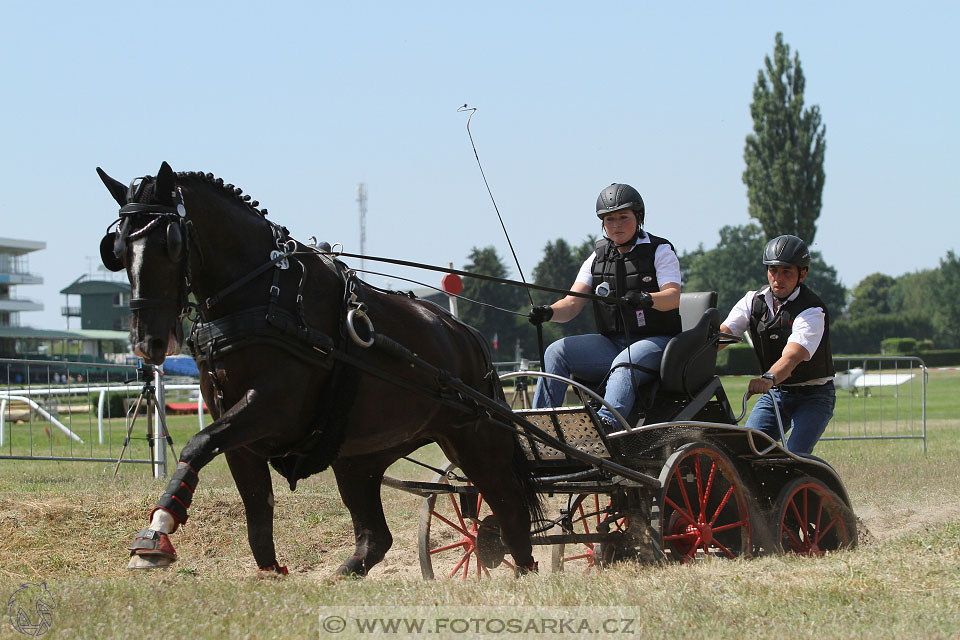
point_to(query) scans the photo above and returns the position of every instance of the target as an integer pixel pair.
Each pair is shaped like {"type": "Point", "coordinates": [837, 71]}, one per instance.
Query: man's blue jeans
{"type": "Point", "coordinates": [589, 357]}
{"type": "Point", "coordinates": [807, 409]}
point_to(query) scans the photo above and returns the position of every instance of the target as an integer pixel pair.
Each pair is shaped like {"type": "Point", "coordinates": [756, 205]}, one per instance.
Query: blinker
{"type": "Point", "coordinates": [174, 241]}
{"type": "Point", "coordinates": [110, 259]}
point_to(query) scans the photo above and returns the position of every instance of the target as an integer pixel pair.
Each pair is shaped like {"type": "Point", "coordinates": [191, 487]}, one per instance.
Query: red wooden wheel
{"type": "Point", "coordinates": [703, 510]}
{"type": "Point", "coordinates": [586, 516]}
{"type": "Point", "coordinates": [459, 536]}
{"type": "Point", "coordinates": [812, 519]}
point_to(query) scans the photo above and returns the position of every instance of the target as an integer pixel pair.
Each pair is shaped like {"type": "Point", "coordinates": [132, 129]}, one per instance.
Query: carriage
{"type": "Point", "coordinates": [298, 358]}
{"type": "Point", "coordinates": [679, 481]}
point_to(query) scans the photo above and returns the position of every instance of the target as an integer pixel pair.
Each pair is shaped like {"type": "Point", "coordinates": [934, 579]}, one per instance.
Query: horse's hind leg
{"type": "Point", "coordinates": [359, 484]}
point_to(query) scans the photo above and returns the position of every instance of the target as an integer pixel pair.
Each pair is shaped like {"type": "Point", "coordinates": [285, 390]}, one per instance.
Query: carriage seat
{"type": "Point", "coordinates": [693, 305]}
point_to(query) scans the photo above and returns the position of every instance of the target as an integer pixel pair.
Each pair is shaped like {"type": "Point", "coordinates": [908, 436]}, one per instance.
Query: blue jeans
{"type": "Point", "coordinates": [806, 409]}
{"type": "Point", "coordinates": [589, 357]}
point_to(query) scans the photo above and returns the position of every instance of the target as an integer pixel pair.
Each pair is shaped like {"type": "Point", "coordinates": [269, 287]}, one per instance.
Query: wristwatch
{"type": "Point", "coordinates": [769, 376]}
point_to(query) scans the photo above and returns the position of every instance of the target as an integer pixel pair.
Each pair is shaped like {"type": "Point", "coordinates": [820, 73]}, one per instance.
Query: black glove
{"type": "Point", "coordinates": [540, 314]}
{"type": "Point", "coordinates": [639, 299]}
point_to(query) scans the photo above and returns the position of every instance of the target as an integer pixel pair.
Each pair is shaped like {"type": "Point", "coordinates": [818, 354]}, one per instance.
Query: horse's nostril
{"type": "Point", "coordinates": [157, 347]}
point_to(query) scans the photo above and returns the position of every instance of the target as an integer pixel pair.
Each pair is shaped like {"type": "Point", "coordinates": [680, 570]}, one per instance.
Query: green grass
{"type": "Point", "coordinates": [69, 523]}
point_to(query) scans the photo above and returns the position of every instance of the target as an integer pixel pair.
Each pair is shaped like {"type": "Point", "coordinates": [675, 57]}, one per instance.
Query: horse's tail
{"type": "Point", "coordinates": [529, 496]}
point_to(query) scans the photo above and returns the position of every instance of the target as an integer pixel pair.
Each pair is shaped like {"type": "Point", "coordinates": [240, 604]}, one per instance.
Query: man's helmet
{"type": "Point", "coordinates": [617, 197]}
{"type": "Point", "coordinates": [787, 250]}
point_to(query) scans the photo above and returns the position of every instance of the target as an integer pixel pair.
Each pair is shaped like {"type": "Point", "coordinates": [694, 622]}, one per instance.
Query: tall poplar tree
{"type": "Point", "coordinates": [784, 154]}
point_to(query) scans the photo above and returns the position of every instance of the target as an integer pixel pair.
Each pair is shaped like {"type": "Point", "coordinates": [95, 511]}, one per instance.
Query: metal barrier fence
{"type": "Point", "coordinates": [72, 411]}
{"type": "Point", "coordinates": [880, 398]}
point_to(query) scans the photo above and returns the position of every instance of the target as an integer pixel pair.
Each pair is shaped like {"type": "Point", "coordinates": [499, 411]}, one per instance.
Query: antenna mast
{"type": "Point", "coordinates": [362, 202]}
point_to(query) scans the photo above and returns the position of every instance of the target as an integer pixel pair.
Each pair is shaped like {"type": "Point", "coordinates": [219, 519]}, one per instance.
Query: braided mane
{"type": "Point", "coordinates": [229, 189]}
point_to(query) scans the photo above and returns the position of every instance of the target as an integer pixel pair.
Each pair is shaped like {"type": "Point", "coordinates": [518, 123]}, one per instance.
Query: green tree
{"type": "Point", "coordinates": [822, 279]}
{"type": "Point", "coordinates": [946, 319]}
{"type": "Point", "coordinates": [492, 318]}
{"type": "Point", "coordinates": [558, 269]}
{"type": "Point", "coordinates": [735, 266]}
{"type": "Point", "coordinates": [871, 296]}
{"type": "Point", "coordinates": [915, 293]}
{"type": "Point", "coordinates": [731, 269]}
{"type": "Point", "coordinates": [784, 154]}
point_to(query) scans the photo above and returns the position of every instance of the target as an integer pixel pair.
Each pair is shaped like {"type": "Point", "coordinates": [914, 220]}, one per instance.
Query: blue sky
{"type": "Point", "coordinates": [298, 102]}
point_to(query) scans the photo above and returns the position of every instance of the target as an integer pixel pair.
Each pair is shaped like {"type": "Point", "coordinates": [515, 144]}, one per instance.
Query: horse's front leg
{"type": "Point", "coordinates": [252, 477]}
{"type": "Point", "coordinates": [240, 425]}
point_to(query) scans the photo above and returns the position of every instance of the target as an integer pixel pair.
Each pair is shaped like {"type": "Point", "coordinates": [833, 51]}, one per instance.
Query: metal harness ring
{"type": "Point", "coordinates": [351, 330]}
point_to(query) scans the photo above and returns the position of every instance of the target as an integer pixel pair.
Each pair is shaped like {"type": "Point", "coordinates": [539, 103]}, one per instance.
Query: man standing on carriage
{"type": "Point", "coordinates": [640, 269]}
{"type": "Point", "coordinates": [789, 326]}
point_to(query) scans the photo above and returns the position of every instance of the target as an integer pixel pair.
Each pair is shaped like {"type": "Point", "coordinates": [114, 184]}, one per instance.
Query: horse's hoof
{"type": "Point", "coordinates": [525, 570]}
{"type": "Point", "coordinates": [351, 568]}
{"type": "Point", "coordinates": [149, 562]}
{"type": "Point", "coordinates": [151, 550]}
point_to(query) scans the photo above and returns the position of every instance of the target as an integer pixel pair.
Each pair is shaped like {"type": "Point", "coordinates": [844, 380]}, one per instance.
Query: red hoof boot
{"type": "Point", "coordinates": [275, 568]}
{"type": "Point", "coordinates": [150, 550]}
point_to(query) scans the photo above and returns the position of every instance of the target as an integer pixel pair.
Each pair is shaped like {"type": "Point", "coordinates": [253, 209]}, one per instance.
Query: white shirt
{"type": "Point", "coordinates": [665, 261]}
{"type": "Point", "coordinates": [807, 330]}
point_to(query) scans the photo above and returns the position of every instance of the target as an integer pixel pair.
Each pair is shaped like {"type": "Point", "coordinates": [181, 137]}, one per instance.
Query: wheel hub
{"type": "Point", "coordinates": [489, 545]}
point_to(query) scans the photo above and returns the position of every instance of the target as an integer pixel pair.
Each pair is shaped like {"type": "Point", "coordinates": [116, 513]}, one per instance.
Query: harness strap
{"type": "Point", "coordinates": [207, 304]}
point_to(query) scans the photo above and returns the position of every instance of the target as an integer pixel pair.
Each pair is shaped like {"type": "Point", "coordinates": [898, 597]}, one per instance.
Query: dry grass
{"type": "Point", "coordinates": [69, 524]}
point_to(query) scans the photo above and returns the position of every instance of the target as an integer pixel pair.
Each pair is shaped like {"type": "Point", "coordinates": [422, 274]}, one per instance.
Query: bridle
{"type": "Point", "coordinates": [180, 238]}
{"type": "Point", "coordinates": [114, 243]}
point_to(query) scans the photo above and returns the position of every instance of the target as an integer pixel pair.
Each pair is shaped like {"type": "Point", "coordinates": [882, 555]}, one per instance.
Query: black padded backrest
{"type": "Point", "coordinates": [692, 306]}
{"type": "Point", "coordinates": [680, 371]}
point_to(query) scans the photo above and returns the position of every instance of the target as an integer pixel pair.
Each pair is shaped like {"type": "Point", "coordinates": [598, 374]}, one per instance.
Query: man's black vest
{"type": "Point", "coordinates": [769, 335]}
{"type": "Point", "coordinates": [625, 272]}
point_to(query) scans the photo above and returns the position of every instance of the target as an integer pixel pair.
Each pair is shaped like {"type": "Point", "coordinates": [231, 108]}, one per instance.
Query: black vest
{"type": "Point", "coordinates": [631, 271]}
{"type": "Point", "coordinates": [769, 335]}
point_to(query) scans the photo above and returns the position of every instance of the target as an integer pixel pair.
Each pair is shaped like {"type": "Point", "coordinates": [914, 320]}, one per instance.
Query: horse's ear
{"type": "Point", "coordinates": [166, 183]}
{"type": "Point", "coordinates": [117, 190]}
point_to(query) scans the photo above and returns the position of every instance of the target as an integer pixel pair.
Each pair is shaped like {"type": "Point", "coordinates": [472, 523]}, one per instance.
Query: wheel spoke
{"type": "Point", "coordinates": [729, 553]}
{"type": "Point", "coordinates": [439, 517]}
{"type": "Point", "coordinates": [793, 538]}
{"type": "Point", "coordinates": [464, 559]}
{"type": "Point", "coordinates": [800, 520]}
{"type": "Point", "coordinates": [818, 527]}
{"type": "Point", "coordinates": [806, 511]}
{"type": "Point", "coordinates": [462, 543]}
{"type": "Point", "coordinates": [685, 515]}
{"type": "Point", "coordinates": [456, 509]}
{"type": "Point", "coordinates": [682, 536]}
{"type": "Point", "coordinates": [828, 527]}
{"type": "Point", "coordinates": [706, 493]}
{"type": "Point", "coordinates": [732, 525]}
{"type": "Point", "coordinates": [683, 492]}
{"type": "Point", "coordinates": [583, 519]}
{"type": "Point", "coordinates": [696, 473]}
{"type": "Point", "coordinates": [693, 548]}
{"type": "Point", "coordinates": [588, 554]}
{"type": "Point", "coordinates": [723, 503]}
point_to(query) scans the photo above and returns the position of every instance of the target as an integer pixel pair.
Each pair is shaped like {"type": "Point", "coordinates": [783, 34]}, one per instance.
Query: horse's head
{"type": "Point", "coordinates": [148, 241]}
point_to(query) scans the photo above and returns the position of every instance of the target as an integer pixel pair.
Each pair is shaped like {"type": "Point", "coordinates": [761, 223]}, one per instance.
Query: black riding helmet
{"type": "Point", "coordinates": [787, 250]}
{"type": "Point", "coordinates": [617, 197]}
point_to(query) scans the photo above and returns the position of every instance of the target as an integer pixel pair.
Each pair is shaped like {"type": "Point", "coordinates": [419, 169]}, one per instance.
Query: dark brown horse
{"type": "Point", "coordinates": [286, 381]}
